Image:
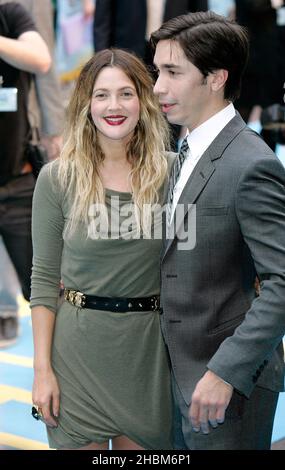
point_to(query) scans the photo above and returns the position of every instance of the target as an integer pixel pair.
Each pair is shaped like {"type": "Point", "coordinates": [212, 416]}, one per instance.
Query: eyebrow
{"type": "Point", "coordinates": [168, 66]}
{"type": "Point", "coordinates": [129, 87]}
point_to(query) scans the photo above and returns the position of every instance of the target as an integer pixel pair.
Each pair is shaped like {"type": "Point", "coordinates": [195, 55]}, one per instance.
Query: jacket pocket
{"type": "Point", "coordinates": [213, 210]}
{"type": "Point", "coordinates": [229, 324]}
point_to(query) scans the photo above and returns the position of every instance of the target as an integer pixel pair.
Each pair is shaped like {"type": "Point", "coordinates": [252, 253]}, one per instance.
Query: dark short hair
{"type": "Point", "coordinates": [210, 42]}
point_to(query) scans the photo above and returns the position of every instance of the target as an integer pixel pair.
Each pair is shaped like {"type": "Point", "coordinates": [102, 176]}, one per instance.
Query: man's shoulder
{"type": "Point", "coordinates": [248, 146]}
{"type": "Point", "coordinates": [12, 8]}
{"type": "Point", "coordinates": [248, 155]}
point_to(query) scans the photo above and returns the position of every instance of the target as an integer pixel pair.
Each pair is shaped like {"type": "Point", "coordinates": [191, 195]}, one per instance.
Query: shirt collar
{"type": "Point", "coordinates": [201, 137]}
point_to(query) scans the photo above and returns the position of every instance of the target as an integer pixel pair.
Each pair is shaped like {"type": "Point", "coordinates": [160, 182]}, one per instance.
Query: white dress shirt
{"type": "Point", "coordinates": [199, 140]}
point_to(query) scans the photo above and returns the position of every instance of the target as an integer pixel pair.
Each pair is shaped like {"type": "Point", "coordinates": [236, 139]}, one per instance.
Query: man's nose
{"type": "Point", "coordinates": [159, 86]}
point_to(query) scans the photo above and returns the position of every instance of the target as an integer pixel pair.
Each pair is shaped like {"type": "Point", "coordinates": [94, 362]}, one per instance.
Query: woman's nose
{"type": "Point", "coordinates": [114, 102]}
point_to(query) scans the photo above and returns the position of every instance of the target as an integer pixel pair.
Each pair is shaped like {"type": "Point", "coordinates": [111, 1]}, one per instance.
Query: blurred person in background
{"type": "Point", "coordinates": [45, 108]}
{"type": "Point", "coordinates": [22, 53]}
{"type": "Point", "coordinates": [46, 113]}
{"type": "Point", "coordinates": [180, 7]}
{"type": "Point", "coordinates": [263, 79]}
{"type": "Point", "coordinates": [87, 5]}
{"type": "Point", "coordinates": [122, 24]}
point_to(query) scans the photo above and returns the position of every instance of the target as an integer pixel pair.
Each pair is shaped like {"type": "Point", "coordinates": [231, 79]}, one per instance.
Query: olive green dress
{"type": "Point", "coordinates": [112, 368]}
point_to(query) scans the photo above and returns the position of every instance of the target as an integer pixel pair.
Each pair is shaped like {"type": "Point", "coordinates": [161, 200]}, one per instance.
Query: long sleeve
{"type": "Point", "coordinates": [260, 207]}
{"type": "Point", "coordinates": [47, 228]}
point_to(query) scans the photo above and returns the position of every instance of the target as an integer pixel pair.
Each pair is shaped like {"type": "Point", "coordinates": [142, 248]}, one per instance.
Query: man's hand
{"type": "Point", "coordinates": [88, 8]}
{"type": "Point", "coordinates": [209, 402]}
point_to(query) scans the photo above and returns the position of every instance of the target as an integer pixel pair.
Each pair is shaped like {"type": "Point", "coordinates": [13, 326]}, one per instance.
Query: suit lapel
{"type": "Point", "coordinates": [205, 169]}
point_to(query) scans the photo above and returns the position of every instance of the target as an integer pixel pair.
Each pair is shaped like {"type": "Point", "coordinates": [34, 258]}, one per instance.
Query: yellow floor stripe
{"type": "Point", "coordinates": [22, 443]}
{"type": "Point", "coordinates": [8, 393]}
{"type": "Point", "coordinates": [24, 307]}
{"type": "Point", "coordinates": [23, 361]}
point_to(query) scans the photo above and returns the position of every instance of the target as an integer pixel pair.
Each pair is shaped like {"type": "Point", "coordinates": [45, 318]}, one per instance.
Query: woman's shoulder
{"type": "Point", "coordinates": [48, 179]}
{"type": "Point", "coordinates": [49, 171]}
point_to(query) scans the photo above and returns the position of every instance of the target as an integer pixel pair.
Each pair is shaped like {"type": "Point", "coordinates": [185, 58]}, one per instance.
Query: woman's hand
{"type": "Point", "coordinates": [46, 395]}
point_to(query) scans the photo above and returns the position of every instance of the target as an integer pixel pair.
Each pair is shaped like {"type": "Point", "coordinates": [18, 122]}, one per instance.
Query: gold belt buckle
{"type": "Point", "coordinates": [155, 301]}
{"type": "Point", "coordinates": [75, 297]}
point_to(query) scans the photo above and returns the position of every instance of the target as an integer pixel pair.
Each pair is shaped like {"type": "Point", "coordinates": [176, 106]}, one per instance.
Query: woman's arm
{"type": "Point", "coordinates": [45, 388]}
{"type": "Point", "coordinates": [47, 228]}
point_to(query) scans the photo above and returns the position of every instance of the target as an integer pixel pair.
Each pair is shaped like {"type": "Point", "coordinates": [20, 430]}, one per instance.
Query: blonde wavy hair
{"type": "Point", "coordinates": [81, 154]}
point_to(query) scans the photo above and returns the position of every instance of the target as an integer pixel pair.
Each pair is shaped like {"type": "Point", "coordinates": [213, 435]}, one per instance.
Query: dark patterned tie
{"type": "Point", "coordinates": [174, 176]}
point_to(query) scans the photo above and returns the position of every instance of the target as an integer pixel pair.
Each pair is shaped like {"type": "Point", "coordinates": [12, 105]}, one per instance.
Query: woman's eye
{"type": "Point", "coordinates": [100, 96]}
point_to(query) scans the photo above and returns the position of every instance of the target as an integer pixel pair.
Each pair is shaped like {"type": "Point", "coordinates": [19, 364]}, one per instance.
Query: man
{"type": "Point", "coordinates": [179, 7]}
{"type": "Point", "coordinates": [46, 109]}
{"type": "Point", "coordinates": [121, 24]}
{"type": "Point", "coordinates": [46, 112]}
{"type": "Point", "coordinates": [262, 86]}
{"type": "Point", "coordinates": [22, 52]}
{"type": "Point", "coordinates": [225, 344]}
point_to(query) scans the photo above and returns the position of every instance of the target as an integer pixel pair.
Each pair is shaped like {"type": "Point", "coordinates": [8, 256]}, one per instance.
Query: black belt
{"type": "Point", "coordinates": [112, 304]}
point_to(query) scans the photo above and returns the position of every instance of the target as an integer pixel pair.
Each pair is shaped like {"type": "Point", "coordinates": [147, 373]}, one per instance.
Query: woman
{"type": "Point", "coordinates": [101, 368]}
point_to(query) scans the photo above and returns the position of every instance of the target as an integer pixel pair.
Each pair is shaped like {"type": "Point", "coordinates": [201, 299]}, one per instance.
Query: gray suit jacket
{"type": "Point", "coordinates": [211, 316]}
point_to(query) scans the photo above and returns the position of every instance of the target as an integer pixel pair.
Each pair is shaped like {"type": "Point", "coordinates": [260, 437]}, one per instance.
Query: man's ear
{"type": "Point", "coordinates": [218, 79]}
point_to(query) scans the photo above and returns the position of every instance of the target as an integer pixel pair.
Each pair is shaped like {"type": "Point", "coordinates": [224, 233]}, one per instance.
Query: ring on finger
{"type": "Point", "coordinates": [37, 412]}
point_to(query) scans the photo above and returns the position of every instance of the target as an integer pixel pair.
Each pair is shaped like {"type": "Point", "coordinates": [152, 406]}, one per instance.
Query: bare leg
{"type": "Point", "coordinates": [124, 443]}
